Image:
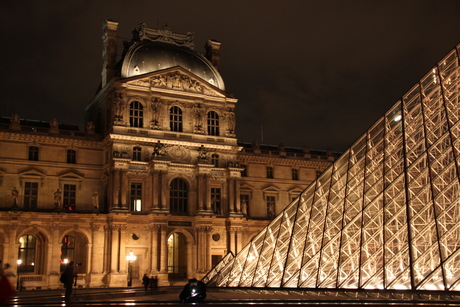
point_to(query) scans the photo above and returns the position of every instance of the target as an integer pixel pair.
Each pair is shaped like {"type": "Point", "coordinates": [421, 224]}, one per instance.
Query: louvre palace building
{"type": "Point", "coordinates": [156, 184]}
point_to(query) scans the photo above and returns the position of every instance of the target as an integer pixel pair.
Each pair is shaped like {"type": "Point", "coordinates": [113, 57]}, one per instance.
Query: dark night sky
{"type": "Point", "coordinates": [314, 73]}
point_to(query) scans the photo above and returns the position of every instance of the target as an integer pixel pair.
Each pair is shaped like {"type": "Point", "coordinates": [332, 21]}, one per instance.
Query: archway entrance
{"type": "Point", "coordinates": [177, 256]}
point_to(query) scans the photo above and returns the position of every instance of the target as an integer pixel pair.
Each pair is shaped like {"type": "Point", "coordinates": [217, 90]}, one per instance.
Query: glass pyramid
{"type": "Point", "coordinates": [385, 215]}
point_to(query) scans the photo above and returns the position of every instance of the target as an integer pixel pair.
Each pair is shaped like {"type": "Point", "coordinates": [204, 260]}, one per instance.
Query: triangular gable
{"type": "Point", "coordinates": [176, 78]}
{"type": "Point", "coordinates": [385, 215]}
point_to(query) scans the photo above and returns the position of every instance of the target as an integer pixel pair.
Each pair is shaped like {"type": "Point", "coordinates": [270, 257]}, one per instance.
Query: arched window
{"type": "Point", "coordinates": [136, 114]}
{"type": "Point", "coordinates": [71, 156]}
{"type": "Point", "coordinates": [67, 250]}
{"type": "Point", "coordinates": [137, 154]}
{"type": "Point", "coordinates": [213, 123]}
{"type": "Point", "coordinates": [178, 196]}
{"type": "Point", "coordinates": [26, 253]}
{"type": "Point", "coordinates": [175, 119]}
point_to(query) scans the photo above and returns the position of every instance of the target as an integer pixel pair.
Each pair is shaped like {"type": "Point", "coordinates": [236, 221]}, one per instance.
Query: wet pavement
{"type": "Point", "coordinates": [169, 296]}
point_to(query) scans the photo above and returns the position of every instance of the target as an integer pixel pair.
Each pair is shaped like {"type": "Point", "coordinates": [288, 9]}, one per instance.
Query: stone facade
{"type": "Point", "coordinates": [158, 172]}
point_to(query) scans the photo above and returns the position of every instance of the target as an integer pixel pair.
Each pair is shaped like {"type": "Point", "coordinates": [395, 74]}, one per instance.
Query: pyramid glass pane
{"type": "Point", "coordinates": [385, 215]}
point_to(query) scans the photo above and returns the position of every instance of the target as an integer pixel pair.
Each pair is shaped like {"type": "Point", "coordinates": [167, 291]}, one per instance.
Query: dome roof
{"type": "Point", "coordinates": [146, 57]}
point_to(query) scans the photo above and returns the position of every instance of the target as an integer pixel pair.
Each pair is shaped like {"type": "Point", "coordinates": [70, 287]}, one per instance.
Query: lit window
{"type": "Point", "coordinates": [69, 196]}
{"type": "Point", "coordinates": [26, 253]}
{"type": "Point", "coordinates": [136, 196]}
{"type": "Point", "coordinates": [136, 114]}
{"type": "Point", "coordinates": [213, 123]}
{"type": "Point", "coordinates": [175, 119]}
{"type": "Point", "coordinates": [67, 251]}
{"type": "Point", "coordinates": [71, 156]}
{"type": "Point", "coordinates": [33, 153]}
{"type": "Point", "coordinates": [178, 196]}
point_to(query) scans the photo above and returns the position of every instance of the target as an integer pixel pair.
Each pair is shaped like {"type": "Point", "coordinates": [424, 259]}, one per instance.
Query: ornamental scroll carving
{"type": "Point", "coordinates": [178, 81]}
{"type": "Point", "coordinates": [165, 35]}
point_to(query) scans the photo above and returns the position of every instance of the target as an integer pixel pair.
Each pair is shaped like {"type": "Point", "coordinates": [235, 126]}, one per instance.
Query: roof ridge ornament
{"type": "Point", "coordinates": [165, 35]}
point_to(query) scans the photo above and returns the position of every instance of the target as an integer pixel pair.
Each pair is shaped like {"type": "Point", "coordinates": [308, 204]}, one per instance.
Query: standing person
{"type": "Point", "coordinates": [145, 281]}
{"type": "Point", "coordinates": [67, 279]}
{"type": "Point", "coordinates": [7, 290]}
{"type": "Point", "coordinates": [194, 292]}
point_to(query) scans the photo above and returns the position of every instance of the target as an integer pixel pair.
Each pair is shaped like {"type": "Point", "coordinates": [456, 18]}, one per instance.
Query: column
{"type": "Point", "coordinates": [231, 195]}
{"type": "Point", "coordinates": [114, 265]}
{"type": "Point", "coordinates": [154, 249]}
{"type": "Point", "coordinates": [122, 250]}
{"type": "Point", "coordinates": [200, 191]}
{"type": "Point", "coordinates": [124, 189]}
{"type": "Point", "coordinates": [97, 252]}
{"type": "Point", "coordinates": [207, 193]}
{"type": "Point", "coordinates": [239, 240]}
{"type": "Point", "coordinates": [116, 189]}
{"type": "Point", "coordinates": [163, 250]}
{"type": "Point", "coordinates": [163, 189]}
{"type": "Point", "coordinates": [232, 244]}
{"type": "Point", "coordinates": [155, 189]}
{"type": "Point", "coordinates": [200, 249]}
{"type": "Point", "coordinates": [237, 195]}
{"type": "Point", "coordinates": [208, 249]}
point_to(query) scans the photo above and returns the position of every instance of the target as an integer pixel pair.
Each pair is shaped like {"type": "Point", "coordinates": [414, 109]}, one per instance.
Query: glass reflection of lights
{"type": "Point", "coordinates": [385, 215]}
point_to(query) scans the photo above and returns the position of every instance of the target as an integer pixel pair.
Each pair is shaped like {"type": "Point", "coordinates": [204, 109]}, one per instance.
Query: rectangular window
{"type": "Point", "coordinates": [244, 172]}
{"type": "Point", "coordinates": [269, 172]}
{"type": "Point", "coordinates": [70, 191]}
{"type": "Point", "coordinates": [295, 174]}
{"type": "Point", "coordinates": [215, 200]}
{"type": "Point", "coordinates": [30, 195]}
{"type": "Point", "coordinates": [270, 200]}
{"type": "Point", "coordinates": [71, 156]}
{"type": "Point", "coordinates": [33, 153]}
{"type": "Point", "coordinates": [136, 196]}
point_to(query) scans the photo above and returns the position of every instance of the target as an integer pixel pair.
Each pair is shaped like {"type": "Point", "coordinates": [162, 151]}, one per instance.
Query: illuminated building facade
{"type": "Point", "coordinates": [158, 176]}
{"type": "Point", "coordinates": [385, 215]}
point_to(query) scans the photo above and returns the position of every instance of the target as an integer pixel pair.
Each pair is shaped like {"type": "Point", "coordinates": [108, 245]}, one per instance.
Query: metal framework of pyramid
{"type": "Point", "coordinates": [385, 215]}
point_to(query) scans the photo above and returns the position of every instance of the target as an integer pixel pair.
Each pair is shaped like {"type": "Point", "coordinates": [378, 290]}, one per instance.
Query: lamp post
{"type": "Point", "coordinates": [18, 282]}
{"type": "Point", "coordinates": [131, 257]}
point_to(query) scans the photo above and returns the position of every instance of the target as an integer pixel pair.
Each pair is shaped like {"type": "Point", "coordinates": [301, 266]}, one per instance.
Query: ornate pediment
{"type": "Point", "coordinates": [177, 79]}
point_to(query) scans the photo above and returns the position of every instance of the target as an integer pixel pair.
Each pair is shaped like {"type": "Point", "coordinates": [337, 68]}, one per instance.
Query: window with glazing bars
{"type": "Point", "coordinates": [178, 196]}
{"type": "Point", "coordinates": [33, 153]}
{"type": "Point", "coordinates": [175, 119]}
{"type": "Point", "coordinates": [136, 114]}
{"type": "Point", "coordinates": [30, 195]}
{"type": "Point", "coordinates": [213, 123]}
{"type": "Point", "coordinates": [136, 196]}
{"type": "Point", "coordinates": [71, 156]}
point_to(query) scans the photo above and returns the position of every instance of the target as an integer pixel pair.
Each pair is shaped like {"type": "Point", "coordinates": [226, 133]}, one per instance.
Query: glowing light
{"type": "Point", "coordinates": [131, 257]}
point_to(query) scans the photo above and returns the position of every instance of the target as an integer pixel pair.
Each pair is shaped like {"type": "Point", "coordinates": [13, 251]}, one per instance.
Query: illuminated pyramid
{"type": "Point", "coordinates": [385, 215]}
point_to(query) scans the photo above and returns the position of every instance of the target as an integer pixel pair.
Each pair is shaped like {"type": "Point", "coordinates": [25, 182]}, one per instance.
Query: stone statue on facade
{"type": "Point", "coordinates": [95, 200]}
{"type": "Point", "coordinates": [15, 118]}
{"type": "Point", "coordinates": [54, 123]}
{"type": "Point", "coordinates": [198, 114]}
{"type": "Point", "coordinates": [57, 198]}
{"type": "Point", "coordinates": [14, 196]}
{"type": "Point", "coordinates": [202, 154]}
{"type": "Point", "coordinates": [156, 102]}
{"type": "Point", "coordinates": [90, 127]}
{"type": "Point", "coordinates": [158, 150]}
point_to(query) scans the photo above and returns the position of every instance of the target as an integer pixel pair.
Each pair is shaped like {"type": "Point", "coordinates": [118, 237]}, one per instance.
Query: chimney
{"type": "Point", "coordinates": [109, 50]}
{"type": "Point", "coordinates": [213, 53]}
